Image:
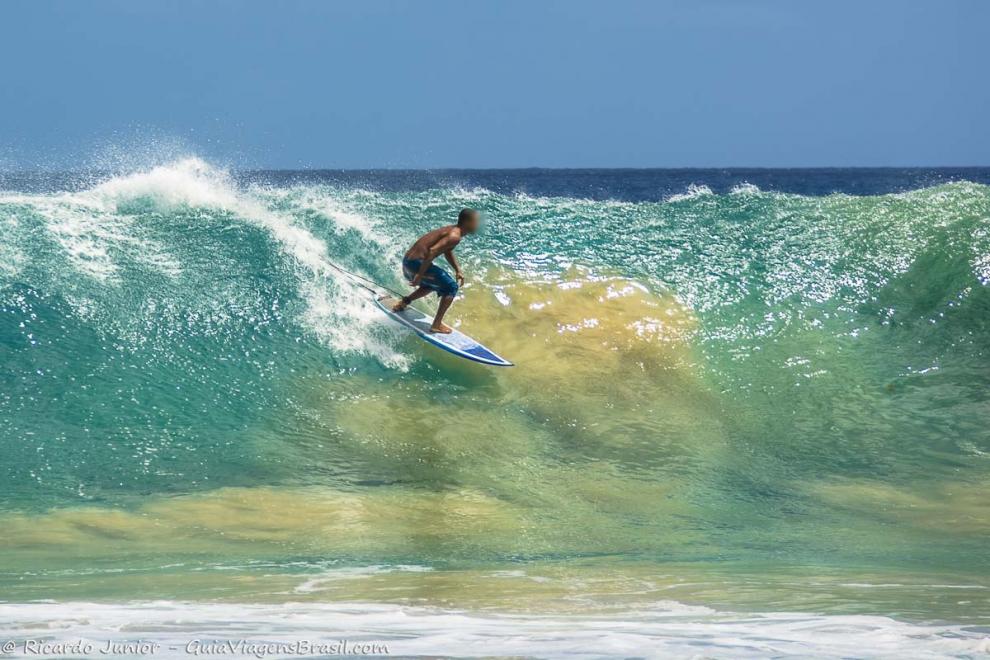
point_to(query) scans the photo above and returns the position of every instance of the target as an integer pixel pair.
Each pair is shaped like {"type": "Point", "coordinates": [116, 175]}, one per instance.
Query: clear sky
{"type": "Point", "coordinates": [510, 83]}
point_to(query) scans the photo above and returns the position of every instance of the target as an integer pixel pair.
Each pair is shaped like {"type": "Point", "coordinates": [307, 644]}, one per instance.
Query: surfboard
{"type": "Point", "coordinates": [456, 342]}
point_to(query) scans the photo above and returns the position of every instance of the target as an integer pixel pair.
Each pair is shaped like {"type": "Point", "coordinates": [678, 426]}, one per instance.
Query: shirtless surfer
{"type": "Point", "coordinates": [419, 269]}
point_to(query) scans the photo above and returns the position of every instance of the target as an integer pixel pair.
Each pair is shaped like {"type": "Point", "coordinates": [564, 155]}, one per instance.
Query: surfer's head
{"type": "Point", "coordinates": [468, 220]}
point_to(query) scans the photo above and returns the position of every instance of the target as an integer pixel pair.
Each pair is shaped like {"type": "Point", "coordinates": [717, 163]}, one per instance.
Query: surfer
{"type": "Point", "coordinates": [419, 269]}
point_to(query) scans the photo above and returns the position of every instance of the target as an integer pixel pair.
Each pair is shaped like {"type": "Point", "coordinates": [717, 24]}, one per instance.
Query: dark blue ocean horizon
{"type": "Point", "coordinates": [622, 184]}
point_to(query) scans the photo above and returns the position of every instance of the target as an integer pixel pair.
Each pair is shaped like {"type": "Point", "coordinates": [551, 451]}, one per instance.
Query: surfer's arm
{"type": "Point", "coordinates": [445, 244]}
{"type": "Point", "coordinates": [452, 260]}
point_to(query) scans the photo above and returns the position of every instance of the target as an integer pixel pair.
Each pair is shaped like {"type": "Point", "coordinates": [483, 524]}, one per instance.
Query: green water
{"type": "Point", "coordinates": [753, 400]}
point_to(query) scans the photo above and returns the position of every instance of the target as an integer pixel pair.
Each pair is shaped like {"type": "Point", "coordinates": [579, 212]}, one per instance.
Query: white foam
{"type": "Point", "coordinates": [744, 188]}
{"type": "Point", "coordinates": [88, 230]}
{"type": "Point", "coordinates": [663, 630]}
{"type": "Point", "coordinates": [320, 200]}
{"type": "Point", "coordinates": [348, 220]}
{"type": "Point", "coordinates": [78, 233]}
{"type": "Point", "coordinates": [188, 182]}
{"type": "Point", "coordinates": [693, 191]}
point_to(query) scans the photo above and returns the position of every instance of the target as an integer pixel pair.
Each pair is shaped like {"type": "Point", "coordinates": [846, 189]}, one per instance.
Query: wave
{"type": "Point", "coordinates": [782, 251]}
{"type": "Point", "coordinates": [690, 372]}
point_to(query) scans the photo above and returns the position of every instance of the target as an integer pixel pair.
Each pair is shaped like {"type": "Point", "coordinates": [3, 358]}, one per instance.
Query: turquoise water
{"type": "Point", "coordinates": [748, 401]}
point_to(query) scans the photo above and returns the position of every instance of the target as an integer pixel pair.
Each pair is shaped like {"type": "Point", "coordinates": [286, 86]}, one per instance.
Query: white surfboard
{"type": "Point", "coordinates": [456, 342]}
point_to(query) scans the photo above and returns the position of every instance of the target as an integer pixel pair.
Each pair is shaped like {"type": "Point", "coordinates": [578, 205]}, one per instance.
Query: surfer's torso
{"type": "Point", "coordinates": [420, 249]}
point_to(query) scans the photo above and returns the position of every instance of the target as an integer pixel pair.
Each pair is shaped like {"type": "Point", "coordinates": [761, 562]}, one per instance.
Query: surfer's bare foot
{"type": "Point", "coordinates": [400, 306]}
{"type": "Point", "coordinates": [442, 328]}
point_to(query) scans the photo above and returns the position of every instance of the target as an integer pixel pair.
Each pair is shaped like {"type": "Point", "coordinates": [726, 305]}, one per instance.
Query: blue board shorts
{"type": "Point", "coordinates": [435, 278]}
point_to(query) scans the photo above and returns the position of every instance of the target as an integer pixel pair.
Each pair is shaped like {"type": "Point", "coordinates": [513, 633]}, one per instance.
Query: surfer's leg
{"type": "Point", "coordinates": [446, 288]}
{"type": "Point", "coordinates": [415, 295]}
{"type": "Point", "coordinates": [438, 324]}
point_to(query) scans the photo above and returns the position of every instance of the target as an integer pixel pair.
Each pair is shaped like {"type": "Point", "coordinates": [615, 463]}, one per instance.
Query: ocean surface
{"type": "Point", "coordinates": [749, 415]}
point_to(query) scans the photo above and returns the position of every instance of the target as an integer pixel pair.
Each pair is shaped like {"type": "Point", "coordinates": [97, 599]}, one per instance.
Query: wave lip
{"type": "Point", "coordinates": [667, 629]}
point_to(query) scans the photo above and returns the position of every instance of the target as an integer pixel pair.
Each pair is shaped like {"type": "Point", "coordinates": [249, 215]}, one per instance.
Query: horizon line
{"type": "Point", "coordinates": [43, 170]}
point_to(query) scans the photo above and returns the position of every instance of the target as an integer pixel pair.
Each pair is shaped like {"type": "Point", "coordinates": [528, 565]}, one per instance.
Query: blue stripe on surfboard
{"type": "Point", "coordinates": [472, 351]}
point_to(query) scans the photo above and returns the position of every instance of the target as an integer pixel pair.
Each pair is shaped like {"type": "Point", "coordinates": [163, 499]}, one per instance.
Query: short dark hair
{"type": "Point", "coordinates": [465, 215]}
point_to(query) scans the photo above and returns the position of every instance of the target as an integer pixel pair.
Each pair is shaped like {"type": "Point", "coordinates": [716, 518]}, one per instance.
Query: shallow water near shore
{"type": "Point", "coordinates": [737, 413]}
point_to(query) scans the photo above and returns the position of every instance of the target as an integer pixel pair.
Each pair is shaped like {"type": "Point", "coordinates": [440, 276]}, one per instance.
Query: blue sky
{"type": "Point", "coordinates": [436, 83]}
